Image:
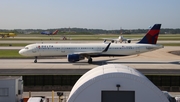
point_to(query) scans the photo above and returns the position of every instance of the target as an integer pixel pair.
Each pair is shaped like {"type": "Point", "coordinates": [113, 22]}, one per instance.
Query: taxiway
{"type": "Point", "coordinates": [155, 62]}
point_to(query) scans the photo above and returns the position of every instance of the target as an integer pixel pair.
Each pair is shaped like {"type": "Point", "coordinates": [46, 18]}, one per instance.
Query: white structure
{"type": "Point", "coordinates": [115, 83]}
{"type": "Point", "coordinates": [11, 88]}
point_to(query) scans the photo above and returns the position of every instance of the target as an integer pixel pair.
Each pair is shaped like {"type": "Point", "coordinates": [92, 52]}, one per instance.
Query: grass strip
{"type": "Point", "coordinates": [13, 44]}
{"type": "Point", "coordinates": [11, 54]}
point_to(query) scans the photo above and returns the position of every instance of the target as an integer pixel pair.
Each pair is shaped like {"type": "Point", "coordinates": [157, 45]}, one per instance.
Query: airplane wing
{"type": "Point", "coordinates": [88, 53]}
{"type": "Point", "coordinates": [93, 52]}
{"type": "Point", "coordinates": [134, 39]}
{"type": "Point", "coordinates": [109, 39]}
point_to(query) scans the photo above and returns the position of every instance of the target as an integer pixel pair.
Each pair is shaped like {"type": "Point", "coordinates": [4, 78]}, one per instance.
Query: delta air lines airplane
{"type": "Point", "coordinates": [77, 52]}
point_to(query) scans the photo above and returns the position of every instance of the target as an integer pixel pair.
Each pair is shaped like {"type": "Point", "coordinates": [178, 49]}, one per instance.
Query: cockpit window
{"type": "Point", "coordinates": [26, 48]}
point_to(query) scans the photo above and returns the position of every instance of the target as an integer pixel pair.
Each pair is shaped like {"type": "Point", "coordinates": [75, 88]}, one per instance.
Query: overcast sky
{"type": "Point", "coordinates": [91, 14]}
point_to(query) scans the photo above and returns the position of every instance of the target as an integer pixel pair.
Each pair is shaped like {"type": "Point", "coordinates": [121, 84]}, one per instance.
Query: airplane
{"type": "Point", "coordinates": [64, 38]}
{"type": "Point", "coordinates": [49, 33]}
{"type": "Point", "coordinates": [4, 35]}
{"type": "Point", "coordinates": [120, 39]}
{"type": "Point", "coordinates": [76, 52]}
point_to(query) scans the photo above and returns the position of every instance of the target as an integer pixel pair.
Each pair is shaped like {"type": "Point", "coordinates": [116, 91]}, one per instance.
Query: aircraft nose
{"type": "Point", "coordinates": [21, 52]}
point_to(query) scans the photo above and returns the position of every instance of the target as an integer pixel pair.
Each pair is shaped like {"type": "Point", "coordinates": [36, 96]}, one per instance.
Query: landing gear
{"type": "Point", "coordinates": [35, 60]}
{"type": "Point", "coordinates": [89, 60]}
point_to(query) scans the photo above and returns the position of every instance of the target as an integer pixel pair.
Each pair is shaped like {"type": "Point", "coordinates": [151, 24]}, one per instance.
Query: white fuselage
{"type": "Point", "coordinates": [70, 48]}
{"type": "Point", "coordinates": [119, 39]}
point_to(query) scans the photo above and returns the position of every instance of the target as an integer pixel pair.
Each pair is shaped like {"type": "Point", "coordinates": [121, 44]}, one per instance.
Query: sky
{"type": "Point", "coordinates": [90, 14]}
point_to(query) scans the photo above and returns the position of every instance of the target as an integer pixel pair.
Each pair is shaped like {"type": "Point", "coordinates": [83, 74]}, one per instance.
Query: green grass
{"type": "Point", "coordinates": [13, 44]}
{"type": "Point", "coordinates": [170, 44]}
{"type": "Point", "coordinates": [88, 37]}
{"type": "Point", "coordinates": [24, 44]}
{"type": "Point", "coordinates": [10, 54]}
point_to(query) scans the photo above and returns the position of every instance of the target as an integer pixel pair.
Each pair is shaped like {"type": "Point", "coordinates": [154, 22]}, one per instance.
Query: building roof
{"type": "Point", "coordinates": [106, 77]}
{"type": "Point", "coordinates": [9, 77]}
{"type": "Point", "coordinates": [106, 69]}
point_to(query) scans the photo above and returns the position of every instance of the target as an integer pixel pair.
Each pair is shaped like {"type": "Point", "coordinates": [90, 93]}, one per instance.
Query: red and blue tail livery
{"type": "Point", "coordinates": [152, 35]}
{"type": "Point", "coordinates": [50, 33]}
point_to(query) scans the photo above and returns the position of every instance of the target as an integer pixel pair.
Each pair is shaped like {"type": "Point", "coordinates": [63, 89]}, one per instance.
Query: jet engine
{"type": "Point", "coordinates": [112, 41]}
{"type": "Point", "coordinates": [129, 41]}
{"type": "Point", "coordinates": [74, 57]}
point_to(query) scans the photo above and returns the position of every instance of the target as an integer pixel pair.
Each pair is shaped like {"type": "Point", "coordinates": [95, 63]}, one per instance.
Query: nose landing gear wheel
{"type": "Point", "coordinates": [35, 61]}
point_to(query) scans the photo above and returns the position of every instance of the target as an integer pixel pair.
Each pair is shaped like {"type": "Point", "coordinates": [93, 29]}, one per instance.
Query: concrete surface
{"type": "Point", "coordinates": [159, 60]}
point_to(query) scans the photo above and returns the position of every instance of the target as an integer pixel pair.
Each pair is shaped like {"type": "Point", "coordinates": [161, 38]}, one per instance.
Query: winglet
{"type": "Point", "coordinates": [152, 35]}
{"type": "Point", "coordinates": [106, 48]}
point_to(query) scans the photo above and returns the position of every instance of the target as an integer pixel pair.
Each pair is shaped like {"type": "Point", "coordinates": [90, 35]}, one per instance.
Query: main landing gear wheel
{"type": "Point", "coordinates": [90, 60]}
{"type": "Point", "coordinates": [35, 60]}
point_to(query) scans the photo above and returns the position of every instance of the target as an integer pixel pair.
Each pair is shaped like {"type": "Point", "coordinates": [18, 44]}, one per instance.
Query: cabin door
{"type": "Point", "coordinates": [63, 49]}
{"type": "Point", "coordinates": [137, 49]}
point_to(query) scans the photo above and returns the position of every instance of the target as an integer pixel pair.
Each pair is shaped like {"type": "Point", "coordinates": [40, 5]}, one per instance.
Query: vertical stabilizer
{"type": "Point", "coordinates": [152, 35]}
{"type": "Point", "coordinates": [55, 32]}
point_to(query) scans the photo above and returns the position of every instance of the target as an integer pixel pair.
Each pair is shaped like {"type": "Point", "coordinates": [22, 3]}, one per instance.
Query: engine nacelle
{"type": "Point", "coordinates": [74, 57]}
{"type": "Point", "coordinates": [129, 41]}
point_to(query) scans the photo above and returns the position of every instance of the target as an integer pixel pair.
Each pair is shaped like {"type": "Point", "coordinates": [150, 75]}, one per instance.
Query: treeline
{"type": "Point", "coordinates": [91, 31]}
